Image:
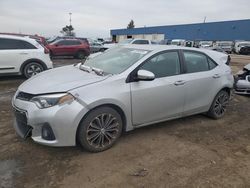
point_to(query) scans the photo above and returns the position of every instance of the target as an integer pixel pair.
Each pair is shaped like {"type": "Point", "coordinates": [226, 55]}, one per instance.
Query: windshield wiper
{"type": "Point", "coordinates": [89, 69]}
{"type": "Point", "coordinates": [85, 68]}
{"type": "Point", "coordinates": [99, 72]}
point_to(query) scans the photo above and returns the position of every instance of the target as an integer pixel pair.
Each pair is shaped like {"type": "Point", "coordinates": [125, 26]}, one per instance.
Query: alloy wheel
{"type": "Point", "coordinates": [102, 130]}
{"type": "Point", "coordinates": [221, 104]}
{"type": "Point", "coordinates": [33, 69]}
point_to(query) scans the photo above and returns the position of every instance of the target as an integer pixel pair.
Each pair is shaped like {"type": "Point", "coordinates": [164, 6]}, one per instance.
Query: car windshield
{"type": "Point", "coordinates": [116, 60]}
{"type": "Point", "coordinates": [205, 43]}
{"type": "Point", "coordinates": [244, 44]}
{"type": "Point", "coordinates": [175, 42]}
{"type": "Point", "coordinates": [225, 44]}
{"type": "Point", "coordinates": [126, 41]}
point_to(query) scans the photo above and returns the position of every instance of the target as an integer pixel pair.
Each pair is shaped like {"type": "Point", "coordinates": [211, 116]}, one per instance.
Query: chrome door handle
{"type": "Point", "coordinates": [216, 76]}
{"type": "Point", "coordinates": [180, 82]}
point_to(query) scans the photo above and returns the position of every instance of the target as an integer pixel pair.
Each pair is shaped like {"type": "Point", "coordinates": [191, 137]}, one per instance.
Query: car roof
{"type": "Point", "coordinates": [217, 56]}
{"type": "Point", "coordinates": [178, 40]}
{"type": "Point", "coordinates": [157, 47]}
{"type": "Point", "coordinates": [14, 37]}
{"type": "Point", "coordinates": [66, 39]}
{"type": "Point", "coordinates": [224, 41]}
{"type": "Point", "coordinates": [138, 39]}
{"type": "Point", "coordinates": [25, 38]}
{"type": "Point", "coordinates": [69, 39]}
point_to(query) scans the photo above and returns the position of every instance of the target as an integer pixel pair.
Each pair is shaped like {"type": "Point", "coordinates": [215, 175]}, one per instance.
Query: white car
{"type": "Point", "coordinates": [206, 44]}
{"type": "Point", "coordinates": [226, 46]}
{"type": "Point", "coordinates": [239, 45]}
{"type": "Point", "coordinates": [178, 42]}
{"type": "Point", "coordinates": [136, 41]}
{"type": "Point", "coordinates": [129, 41]}
{"type": "Point", "coordinates": [22, 56]}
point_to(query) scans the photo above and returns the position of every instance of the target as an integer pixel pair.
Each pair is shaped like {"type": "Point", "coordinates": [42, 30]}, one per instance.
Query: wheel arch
{"type": "Point", "coordinates": [227, 89]}
{"type": "Point", "coordinates": [82, 50]}
{"type": "Point", "coordinates": [32, 60]}
{"type": "Point", "coordinates": [113, 106]}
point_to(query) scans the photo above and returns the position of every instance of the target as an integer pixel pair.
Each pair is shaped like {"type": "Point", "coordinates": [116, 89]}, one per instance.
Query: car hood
{"type": "Point", "coordinates": [60, 79]}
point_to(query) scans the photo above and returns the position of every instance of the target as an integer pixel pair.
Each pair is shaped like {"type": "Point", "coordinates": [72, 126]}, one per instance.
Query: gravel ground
{"type": "Point", "coordinates": [190, 152]}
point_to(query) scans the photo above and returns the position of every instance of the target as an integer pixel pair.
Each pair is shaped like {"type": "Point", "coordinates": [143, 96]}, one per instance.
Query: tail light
{"type": "Point", "coordinates": [46, 50]}
{"type": "Point", "coordinates": [228, 60]}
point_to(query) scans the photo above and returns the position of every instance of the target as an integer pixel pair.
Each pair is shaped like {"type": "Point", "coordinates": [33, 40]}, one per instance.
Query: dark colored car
{"type": "Point", "coordinates": [245, 50]}
{"type": "Point", "coordinates": [69, 47]}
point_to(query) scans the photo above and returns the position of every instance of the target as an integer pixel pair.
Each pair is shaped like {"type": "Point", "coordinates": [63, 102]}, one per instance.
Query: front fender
{"type": "Point", "coordinates": [126, 109]}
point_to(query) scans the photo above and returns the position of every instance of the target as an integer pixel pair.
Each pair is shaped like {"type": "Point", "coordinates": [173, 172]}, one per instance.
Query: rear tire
{"type": "Point", "coordinates": [32, 68]}
{"type": "Point", "coordinates": [100, 129]}
{"type": "Point", "coordinates": [218, 107]}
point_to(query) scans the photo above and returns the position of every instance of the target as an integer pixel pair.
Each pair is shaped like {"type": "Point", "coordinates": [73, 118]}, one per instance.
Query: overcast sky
{"type": "Point", "coordinates": [95, 18]}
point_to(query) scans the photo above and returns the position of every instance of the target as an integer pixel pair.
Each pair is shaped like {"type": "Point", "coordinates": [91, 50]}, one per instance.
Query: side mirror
{"type": "Point", "coordinates": [145, 75]}
{"type": "Point", "coordinates": [56, 45]}
{"type": "Point", "coordinates": [248, 78]}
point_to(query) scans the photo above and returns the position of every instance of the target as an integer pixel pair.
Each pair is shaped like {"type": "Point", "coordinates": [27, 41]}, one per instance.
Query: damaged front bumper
{"type": "Point", "coordinates": [242, 87]}
{"type": "Point", "coordinates": [242, 81]}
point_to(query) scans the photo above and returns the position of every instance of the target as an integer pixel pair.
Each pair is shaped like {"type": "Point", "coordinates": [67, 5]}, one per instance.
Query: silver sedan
{"type": "Point", "coordinates": [124, 88]}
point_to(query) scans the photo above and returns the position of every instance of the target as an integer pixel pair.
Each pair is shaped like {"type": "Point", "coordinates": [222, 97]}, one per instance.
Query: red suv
{"type": "Point", "coordinates": [69, 47]}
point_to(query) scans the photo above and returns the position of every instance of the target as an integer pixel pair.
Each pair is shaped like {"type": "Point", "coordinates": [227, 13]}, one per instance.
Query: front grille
{"type": "Point", "coordinates": [21, 123]}
{"type": "Point", "coordinates": [24, 96]}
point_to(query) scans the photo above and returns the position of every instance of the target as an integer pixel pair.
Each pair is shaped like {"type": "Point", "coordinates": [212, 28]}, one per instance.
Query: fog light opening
{"type": "Point", "coordinates": [47, 132]}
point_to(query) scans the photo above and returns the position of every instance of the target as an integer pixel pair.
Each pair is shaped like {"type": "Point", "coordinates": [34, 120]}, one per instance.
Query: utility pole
{"type": "Point", "coordinates": [205, 19]}
{"type": "Point", "coordinates": [70, 18]}
{"type": "Point", "coordinates": [70, 22]}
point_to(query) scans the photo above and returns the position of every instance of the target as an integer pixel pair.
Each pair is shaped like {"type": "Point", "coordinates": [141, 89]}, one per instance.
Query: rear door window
{"type": "Point", "coordinates": [62, 43]}
{"type": "Point", "coordinates": [195, 62]}
{"type": "Point", "coordinates": [69, 42]}
{"type": "Point", "coordinates": [74, 42]}
{"type": "Point", "coordinates": [212, 64]}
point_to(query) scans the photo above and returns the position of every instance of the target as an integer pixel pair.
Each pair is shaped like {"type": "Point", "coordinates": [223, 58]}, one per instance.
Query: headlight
{"type": "Point", "coordinates": [46, 101]}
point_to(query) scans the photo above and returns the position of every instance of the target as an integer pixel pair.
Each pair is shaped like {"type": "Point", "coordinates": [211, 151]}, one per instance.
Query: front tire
{"type": "Point", "coordinates": [218, 107]}
{"type": "Point", "coordinates": [100, 129]}
{"type": "Point", "coordinates": [81, 55]}
{"type": "Point", "coordinates": [32, 69]}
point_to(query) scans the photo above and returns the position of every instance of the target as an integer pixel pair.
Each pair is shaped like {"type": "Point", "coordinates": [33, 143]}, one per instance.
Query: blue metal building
{"type": "Point", "coordinates": [225, 30]}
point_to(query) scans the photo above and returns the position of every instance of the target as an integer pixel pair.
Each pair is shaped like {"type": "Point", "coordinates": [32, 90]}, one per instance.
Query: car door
{"type": "Point", "coordinates": [63, 47]}
{"type": "Point", "coordinates": [163, 97]}
{"type": "Point", "coordinates": [13, 53]}
{"type": "Point", "coordinates": [202, 81]}
{"type": "Point", "coordinates": [73, 47]}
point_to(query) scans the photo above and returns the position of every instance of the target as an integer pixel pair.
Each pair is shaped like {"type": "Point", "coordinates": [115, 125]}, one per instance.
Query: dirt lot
{"type": "Point", "coordinates": [190, 152]}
